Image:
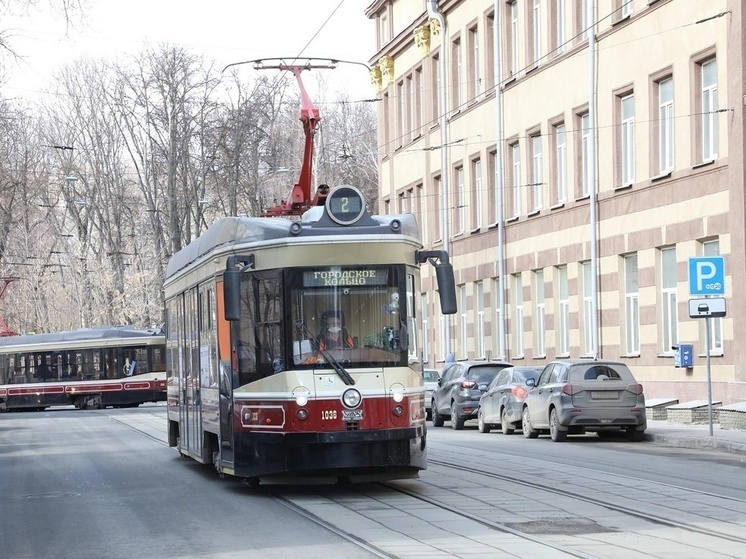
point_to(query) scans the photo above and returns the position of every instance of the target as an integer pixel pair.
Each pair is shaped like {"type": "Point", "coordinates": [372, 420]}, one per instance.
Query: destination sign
{"type": "Point", "coordinates": [342, 278]}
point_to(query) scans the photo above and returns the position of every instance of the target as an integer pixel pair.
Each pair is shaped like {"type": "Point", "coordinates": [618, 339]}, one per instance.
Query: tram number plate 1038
{"type": "Point", "coordinates": [352, 415]}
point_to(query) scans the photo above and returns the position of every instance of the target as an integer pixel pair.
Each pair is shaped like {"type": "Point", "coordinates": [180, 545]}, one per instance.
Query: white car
{"type": "Point", "coordinates": [430, 377]}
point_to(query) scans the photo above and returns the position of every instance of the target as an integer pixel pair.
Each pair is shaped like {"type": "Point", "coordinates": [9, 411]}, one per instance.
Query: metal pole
{"type": "Point", "coordinates": [499, 210]}
{"type": "Point", "coordinates": [709, 377]}
{"type": "Point", "coordinates": [592, 178]}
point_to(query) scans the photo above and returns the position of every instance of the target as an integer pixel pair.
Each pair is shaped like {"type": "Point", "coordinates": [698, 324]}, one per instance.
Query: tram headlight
{"type": "Point", "coordinates": [397, 392]}
{"type": "Point", "coordinates": [302, 414]}
{"type": "Point", "coordinates": [351, 398]}
{"type": "Point", "coordinates": [301, 395]}
{"type": "Point", "coordinates": [398, 410]}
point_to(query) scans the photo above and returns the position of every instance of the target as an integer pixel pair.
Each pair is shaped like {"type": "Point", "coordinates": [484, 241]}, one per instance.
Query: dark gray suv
{"type": "Point", "coordinates": [459, 390]}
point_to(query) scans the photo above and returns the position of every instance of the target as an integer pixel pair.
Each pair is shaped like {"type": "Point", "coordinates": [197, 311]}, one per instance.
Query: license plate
{"type": "Point", "coordinates": [352, 415]}
{"type": "Point", "coordinates": [606, 395]}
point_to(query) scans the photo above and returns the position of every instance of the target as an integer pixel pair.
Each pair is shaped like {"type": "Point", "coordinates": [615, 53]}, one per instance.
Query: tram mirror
{"type": "Point", "coordinates": [232, 294]}
{"type": "Point", "coordinates": [446, 287]}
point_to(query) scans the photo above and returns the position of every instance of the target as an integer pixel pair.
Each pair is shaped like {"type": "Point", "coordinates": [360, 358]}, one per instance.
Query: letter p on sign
{"type": "Point", "coordinates": [707, 275]}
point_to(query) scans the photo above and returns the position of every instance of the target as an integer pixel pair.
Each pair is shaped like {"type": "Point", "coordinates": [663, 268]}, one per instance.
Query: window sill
{"type": "Point", "coordinates": [511, 219]}
{"type": "Point", "coordinates": [704, 164]}
{"type": "Point", "coordinates": [557, 206]}
{"type": "Point", "coordinates": [623, 187]}
{"type": "Point", "coordinates": [533, 213]}
{"type": "Point", "coordinates": [629, 355]}
{"type": "Point", "coordinates": [662, 176]}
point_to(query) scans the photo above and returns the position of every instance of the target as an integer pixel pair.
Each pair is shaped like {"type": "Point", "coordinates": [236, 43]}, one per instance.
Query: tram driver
{"type": "Point", "coordinates": [333, 333]}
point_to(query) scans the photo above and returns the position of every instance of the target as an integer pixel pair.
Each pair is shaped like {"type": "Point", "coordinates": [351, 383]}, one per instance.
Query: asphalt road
{"type": "Point", "coordinates": [81, 484]}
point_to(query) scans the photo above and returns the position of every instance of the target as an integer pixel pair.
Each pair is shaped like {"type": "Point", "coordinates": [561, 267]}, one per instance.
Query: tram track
{"type": "Point", "coordinates": [655, 519]}
{"type": "Point", "coordinates": [361, 513]}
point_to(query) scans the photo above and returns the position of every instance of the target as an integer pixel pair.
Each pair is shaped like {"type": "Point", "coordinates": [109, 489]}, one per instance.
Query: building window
{"type": "Point", "coordinates": [463, 322]}
{"type": "Point", "coordinates": [557, 25]}
{"type": "Point", "coordinates": [515, 177]}
{"type": "Point", "coordinates": [479, 338]}
{"type": "Point", "coordinates": [631, 306]}
{"type": "Point", "coordinates": [460, 210]}
{"type": "Point", "coordinates": [442, 343]}
{"type": "Point", "coordinates": [585, 150]}
{"type": "Point", "coordinates": [627, 139]}
{"type": "Point", "coordinates": [627, 7]}
{"type": "Point", "coordinates": [537, 175]}
{"type": "Point", "coordinates": [560, 163]}
{"type": "Point", "coordinates": [435, 100]}
{"type": "Point", "coordinates": [587, 308]}
{"type": "Point", "coordinates": [422, 209]}
{"type": "Point", "coordinates": [665, 126]}
{"type": "Point", "coordinates": [401, 113]}
{"type": "Point", "coordinates": [457, 75]}
{"type": "Point", "coordinates": [669, 310]}
{"type": "Point", "coordinates": [477, 194]}
{"type": "Point", "coordinates": [563, 312]}
{"type": "Point", "coordinates": [712, 248]}
{"type": "Point", "coordinates": [512, 38]}
{"type": "Point", "coordinates": [497, 317]}
{"type": "Point", "coordinates": [709, 110]}
{"type": "Point", "coordinates": [475, 76]}
{"type": "Point", "coordinates": [534, 29]}
{"type": "Point", "coordinates": [492, 187]}
{"type": "Point", "coordinates": [540, 318]}
{"type": "Point", "coordinates": [582, 24]}
{"type": "Point", "coordinates": [489, 53]}
{"type": "Point", "coordinates": [518, 315]}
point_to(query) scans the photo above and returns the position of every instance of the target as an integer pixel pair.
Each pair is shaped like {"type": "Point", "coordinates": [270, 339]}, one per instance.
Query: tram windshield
{"type": "Point", "coordinates": [357, 316]}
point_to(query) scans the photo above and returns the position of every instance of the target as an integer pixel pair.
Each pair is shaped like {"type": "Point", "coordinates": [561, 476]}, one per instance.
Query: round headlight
{"type": "Point", "coordinates": [397, 392]}
{"type": "Point", "coordinates": [351, 398]}
{"type": "Point", "coordinates": [301, 400]}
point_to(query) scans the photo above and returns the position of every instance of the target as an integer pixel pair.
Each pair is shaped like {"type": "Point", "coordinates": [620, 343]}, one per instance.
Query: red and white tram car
{"type": "Point", "coordinates": [118, 366]}
{"type": "Point", "coordinates": [256, 388]}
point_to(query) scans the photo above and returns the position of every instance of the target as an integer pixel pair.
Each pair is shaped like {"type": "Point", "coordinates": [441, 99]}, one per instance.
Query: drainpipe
{"type": "Point", "coordinates": [433, 13]}
{"type": "Point", "coordinates": [594, 175]}
{"type": "Point", "coordinates": [501, 324]}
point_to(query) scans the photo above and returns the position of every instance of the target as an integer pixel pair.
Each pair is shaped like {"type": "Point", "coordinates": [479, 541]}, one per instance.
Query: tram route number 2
{"type": "Point", "coordinates": [347, 415]}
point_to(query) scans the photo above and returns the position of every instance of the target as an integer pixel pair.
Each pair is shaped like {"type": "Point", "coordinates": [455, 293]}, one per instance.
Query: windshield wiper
{"type": "Point", "coordinates": [339, 369]}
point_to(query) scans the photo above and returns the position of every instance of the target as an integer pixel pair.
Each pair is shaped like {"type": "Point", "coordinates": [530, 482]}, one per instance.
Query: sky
{"type": "Point", "coordinates": [226, 31]}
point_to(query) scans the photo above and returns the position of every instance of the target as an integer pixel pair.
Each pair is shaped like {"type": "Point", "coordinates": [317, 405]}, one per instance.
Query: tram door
{"type": "Point", "coordinates": [191, 368]}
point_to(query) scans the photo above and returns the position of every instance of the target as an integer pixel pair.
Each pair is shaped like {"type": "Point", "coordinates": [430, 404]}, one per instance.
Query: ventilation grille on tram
{"type": "Point", "coordinates": [352, 426]}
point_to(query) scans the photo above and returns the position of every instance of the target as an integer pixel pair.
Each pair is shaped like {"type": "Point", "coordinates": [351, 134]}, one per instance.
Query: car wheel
{"type": "Point", "coordinates": [456, 422]}
{"type": "Point", "coordinates": [635, 436]}
{"type": "Point", "coordinates": [438, 420]}
{"type": "Point", "coordinates": [483, 427]}
{"type": "Point", "coordinates": [528, 431]}
{"type": "Point", "coordinates": [505, 425]}
{"type": "Point", "coordinates": [555, 430]}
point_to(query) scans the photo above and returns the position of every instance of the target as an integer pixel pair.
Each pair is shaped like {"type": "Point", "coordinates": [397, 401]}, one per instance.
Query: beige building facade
{"type": "Point", "coordinates": [575, 169]}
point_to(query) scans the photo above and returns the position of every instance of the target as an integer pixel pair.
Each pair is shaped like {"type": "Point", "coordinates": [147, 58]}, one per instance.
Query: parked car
{"type": "Point", "coordinates": [502, 404]}
{"type": "Point", "coordinates": [430, 378]}
{"type": "Point", "coordinates": [575, 396]}
{"type": "Point", "coordinates": [459, 390]}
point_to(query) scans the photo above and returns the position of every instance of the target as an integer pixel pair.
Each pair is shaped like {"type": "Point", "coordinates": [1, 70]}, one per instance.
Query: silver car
{"type": "Point", "coordinates": [502, 404]}
{"type": "Point", "coordinates": [575, 396]}
{"type": "Point", "coordinates": [430, 378]}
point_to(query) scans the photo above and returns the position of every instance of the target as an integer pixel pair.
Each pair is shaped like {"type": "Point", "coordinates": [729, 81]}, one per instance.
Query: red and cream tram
{"type": "Point", "coordinates": [257, 384]}
{"type": "Point", "coordinates": [89, 368]}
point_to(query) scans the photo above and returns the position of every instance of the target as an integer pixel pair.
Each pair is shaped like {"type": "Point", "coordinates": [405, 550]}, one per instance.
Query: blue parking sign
{"type": "Point", "coordinates": [707, 275]}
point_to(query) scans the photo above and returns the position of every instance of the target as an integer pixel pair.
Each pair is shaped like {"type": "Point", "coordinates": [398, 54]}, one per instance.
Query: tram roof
{"type": "Point", "coordinates": [102, 333]}
{"type": "Point", "coordinates": [242, 230]}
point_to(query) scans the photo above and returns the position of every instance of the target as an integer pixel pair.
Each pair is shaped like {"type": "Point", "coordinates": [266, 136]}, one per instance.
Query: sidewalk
{"type": "Point", "coordinates": [696, 436]}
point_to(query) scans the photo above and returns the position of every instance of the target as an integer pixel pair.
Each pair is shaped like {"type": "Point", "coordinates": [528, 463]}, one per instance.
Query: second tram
{"type": "Point", "coordinates": [89, 368]}
{"type": "Point", "coordinates": [293, 345]}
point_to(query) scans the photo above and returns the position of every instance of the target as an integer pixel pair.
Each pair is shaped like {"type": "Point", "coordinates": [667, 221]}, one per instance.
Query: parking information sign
{"type": "Point", "coordinates": [707, 275]}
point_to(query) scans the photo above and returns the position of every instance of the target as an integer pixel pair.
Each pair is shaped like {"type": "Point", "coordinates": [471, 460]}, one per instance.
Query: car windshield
{"type": "Point", "coordinates": [483, 375]}
{"type": "Point", "coordinates": [521, 375]}
{"type": "Point", "coordinates": [606, 371]}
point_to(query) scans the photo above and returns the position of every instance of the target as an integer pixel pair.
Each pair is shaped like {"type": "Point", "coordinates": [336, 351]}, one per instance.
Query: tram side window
{"type": "Point", "coordinates": [260, 333]}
